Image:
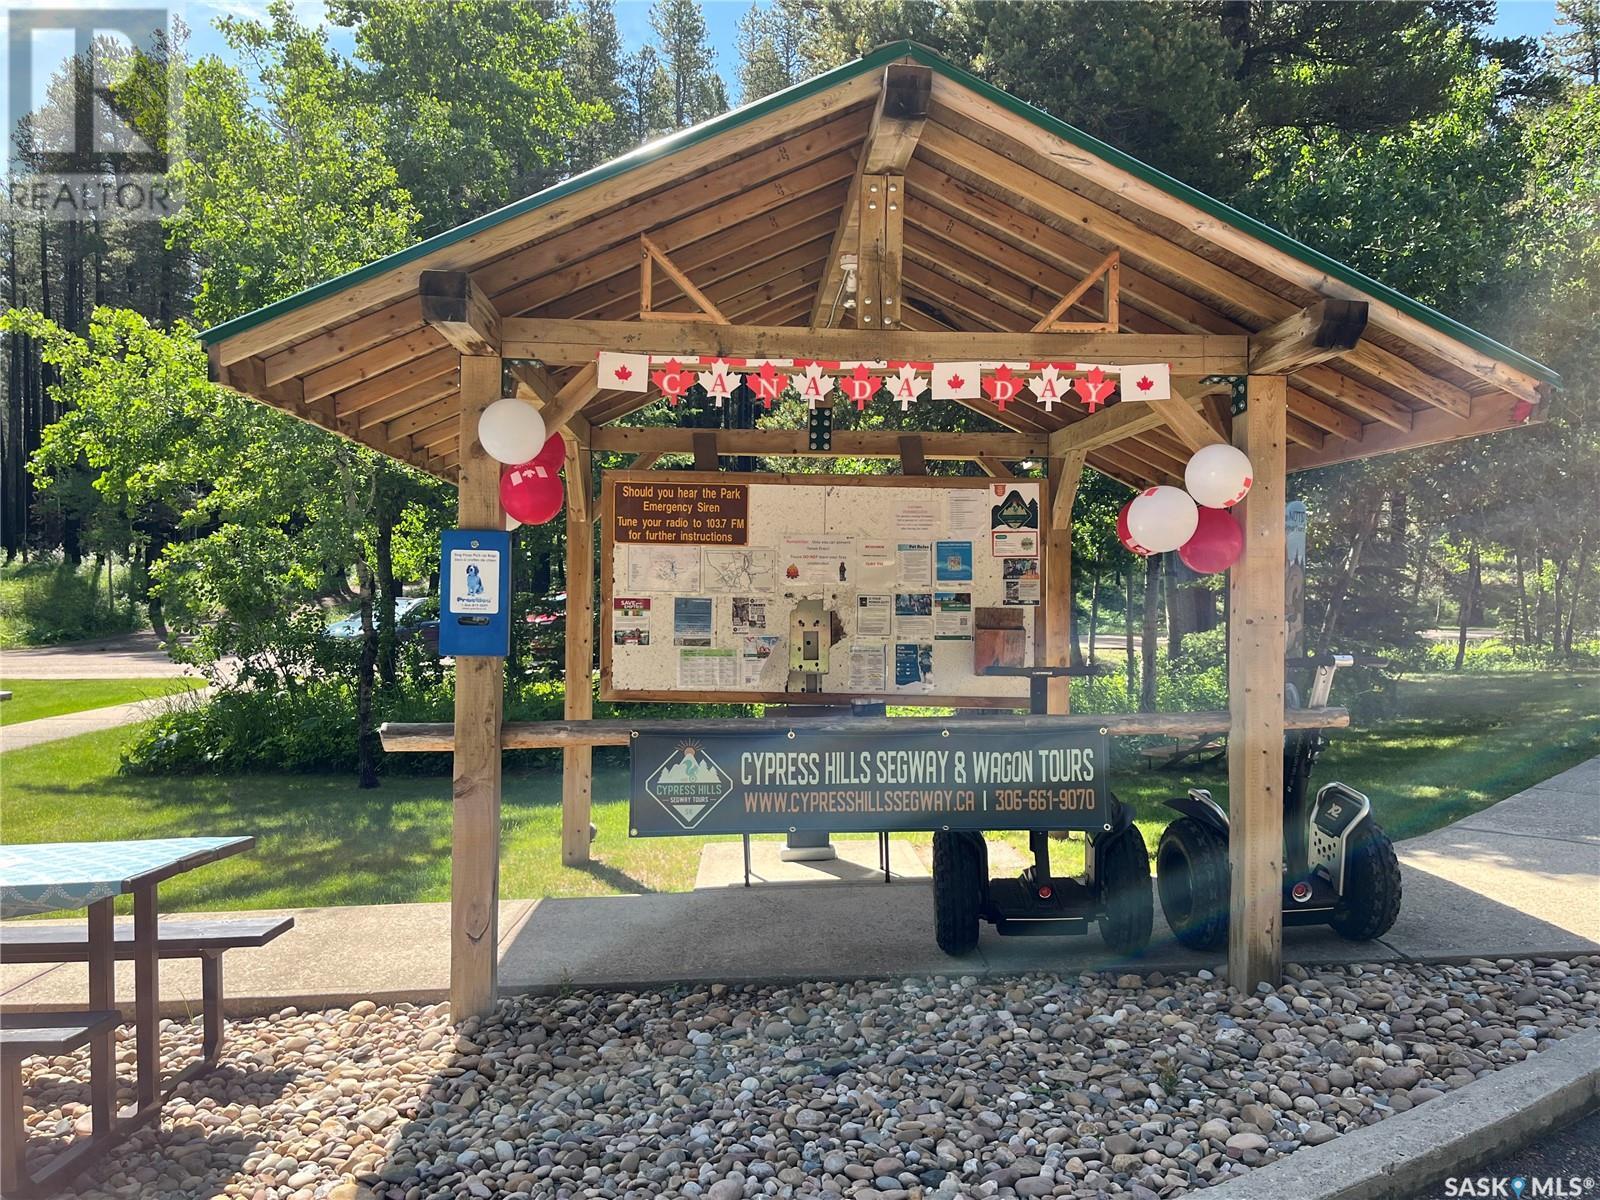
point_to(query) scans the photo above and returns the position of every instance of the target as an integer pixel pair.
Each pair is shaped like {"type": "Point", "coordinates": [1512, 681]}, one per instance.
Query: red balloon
{"type": "Point", "coordinates": [1217, 543]}
{"type": "Point", "coordinates": [531, 493]}
{"type": "Point", "coordinates": [553, 454]}
{"type": "Point", "coordinates": [1125, 537]}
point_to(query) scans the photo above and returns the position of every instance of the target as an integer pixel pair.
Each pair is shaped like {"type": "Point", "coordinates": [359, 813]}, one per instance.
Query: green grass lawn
{"type": "Point", "coordinates": [32, 699]}
{"type": "Point", "coordinates": [1463, 743]}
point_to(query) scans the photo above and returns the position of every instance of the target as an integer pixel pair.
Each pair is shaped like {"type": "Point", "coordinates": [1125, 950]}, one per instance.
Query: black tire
{"type": "Point", "coordinates": [957, 892]}
{"type": "Point", "coordinates": [1192, 876]}
{"type": "Point", "coordinates": [1371, 900]}
{"type": "Point", "coordinates": [1124, 880]}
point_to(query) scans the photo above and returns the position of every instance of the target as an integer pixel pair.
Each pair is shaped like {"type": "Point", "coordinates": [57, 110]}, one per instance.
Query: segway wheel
{"type": "Point", "coordinates": [1192, 876]}
{"type": "Point", "coordinates": [1371, 900]}
{"type": "Point", "coordinates": [1124, 879]}
{"type": "Point", "coordinates": [957, 892]}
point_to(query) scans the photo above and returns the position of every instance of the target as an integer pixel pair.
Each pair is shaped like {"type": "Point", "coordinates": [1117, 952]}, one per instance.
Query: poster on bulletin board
{"type": "Point", "coordinates": [814, 589]}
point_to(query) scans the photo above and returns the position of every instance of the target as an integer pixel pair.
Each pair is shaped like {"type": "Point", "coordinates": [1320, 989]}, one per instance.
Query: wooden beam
{"type": "Point", "coordinates": [847, 443]}
{"type": "Point", "coordinates": [577, 762]}
{"type": "Point", "coordinates": [1256, 642]}
{"type": "Point", "coordinates": [897, 121]}
{"type": "Point", "coordinates": [1061, 491]}
{"type": "Point", "coordinates": [705, 449]}
{"type": "Point", "coordinates": [1104, 428]}
{"type": "Point", "coordinates": [912, 459]}
{"type": "Point", "coordinates": [1193, 430]}
{"type": "Point", "coordinates": [480, 689]}
{"type": "Point", "coordinates": [880, 251]}
{"type": "Point", "coordinates": [434, 737]}
{"type": "Point", "coordinates": [1490, 414]}
{"type": "Point", "coordinates": [652, 253]}
{"type": "Point", "coordinates": [571, 399]}
{"type": "Point", "coordinates": [457, 308]}
{"type": "Point", "coordinates": [1102, 273]}
{"type": "Point", "coordinates": [1064, 493]}
{"type": "Point", "coordinates": [995, 469]}
{"type": "Point", "coordinates": [1315, 334]}
{"type": "Point", "coordinates": [645, 462]}
{"type": "Point", "coordinates": [564, 343]}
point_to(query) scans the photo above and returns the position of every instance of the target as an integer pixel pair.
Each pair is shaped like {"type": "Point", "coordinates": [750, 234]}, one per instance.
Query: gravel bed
{"type": "Point", "coordinates": [1037, 1085]}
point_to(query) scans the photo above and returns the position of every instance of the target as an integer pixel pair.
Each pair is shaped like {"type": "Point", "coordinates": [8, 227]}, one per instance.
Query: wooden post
{"type": "Point", "coordinates": [1255, 697]}
{"type": "Point", "coordinates": [577, 762]}
{"type": "Point", "coordinates": [1057, 520]}
{"type": "Point", "coordinates": [480, 687]}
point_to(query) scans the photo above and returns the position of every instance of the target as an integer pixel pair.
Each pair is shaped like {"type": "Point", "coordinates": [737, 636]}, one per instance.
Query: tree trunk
{"type": "Point", "coordinates": [1572, 601]}
{"type": "Point", "coordinates": [1469, 601]}
{"type": "Point", "coordinates": [1347, 575]}
{"type": "Point", "coordinates": [1556, 610]}
{"type": "Point", "coordinates": [366, 735]}
{"type": "Point", "coordinates": [1538, 597]}
{"type": "Point", "coordinates": [1127, 631]}
{"type": "Point", "coordinates": [1177, 622]}
{"type": "Point", "coordinates": [1524, 628]}
{"type": "Point", "coordinates": [1094, 613]}
{"type": "Point", "coordinates": [383, 553]}
{"type": "Point", "coordinates": [1152, 614]}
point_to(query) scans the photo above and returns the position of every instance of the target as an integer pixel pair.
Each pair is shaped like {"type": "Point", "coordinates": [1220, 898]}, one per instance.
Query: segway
{"type": "Point", "coordinates": [1340, 867]}
{"type": "Point", "coordinates": [1114, 890]}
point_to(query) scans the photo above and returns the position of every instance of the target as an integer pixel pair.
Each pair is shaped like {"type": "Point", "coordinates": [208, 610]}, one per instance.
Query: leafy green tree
{"type": "Point", "coordinates": [694, 88]}
{"type": "Point", "coordinates": [477, 110]}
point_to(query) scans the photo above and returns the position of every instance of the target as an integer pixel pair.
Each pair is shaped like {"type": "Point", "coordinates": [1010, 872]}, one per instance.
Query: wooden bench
{"type": "Point", "coordinates": [24, 1036]}
{"type": "Point", "coordinates": [205, 938]}
{"type": "Point", "coordinates": [1201, 752]}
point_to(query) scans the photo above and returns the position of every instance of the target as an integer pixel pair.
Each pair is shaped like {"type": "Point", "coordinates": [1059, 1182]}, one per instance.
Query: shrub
{"type": "Point", "coordinates": [47, 601]}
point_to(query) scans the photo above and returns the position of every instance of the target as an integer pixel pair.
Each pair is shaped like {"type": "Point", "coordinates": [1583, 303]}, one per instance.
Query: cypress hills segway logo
{"type": "Point", "coordinates": [689, 784]}
{"type": "Point", "coordinates": [1015, 513]}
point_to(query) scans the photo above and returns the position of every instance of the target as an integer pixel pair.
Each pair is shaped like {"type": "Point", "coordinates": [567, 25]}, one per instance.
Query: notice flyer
{"type": "Point", "coordinates": [1021, 577]}
{"type": "Point", "coordinates": [868, 669]}
{"type": "Point", "coordinates": [1014, 520]}
{"type": "Point", "coordinates": [914, 563]}
{"type": "Point", "coordinates": [474, 581]}
{"type": "Point", "coordinates": [630, 621]}
{"type": "Point", "coordinates": [755, 654]}
{"type": "Point", "coordinates": [916, 517]}
{"type": "Point", "coordinates": [913, 664]}
{"type": "Point", "coordinates": [818, 559]}
{"type": "Point", "coordinates": [747, 569]}
{"type": "Point", "coordinates": [664, 569]}
{"type": "Point", "coordinates": [1015, 543]}
{"type": "Point", "coordinates": [874, 616]}
{"type": "Point", "coordinates": [968, 511]}
{"type": "Point", "coordinates": [913, 616]}
{"type": "Point", "coordinates": [878, 570]}
{"type": "Point", "coordinates": [691, 621]}
{"type": "Point", "coordinates": [749, 615]}
{"type": "Point", "coordinates": [707, 668]}
{"type": "Point", "coordinates": [952, 562]}
{"type": "Point", "coordinates": [952, 616]}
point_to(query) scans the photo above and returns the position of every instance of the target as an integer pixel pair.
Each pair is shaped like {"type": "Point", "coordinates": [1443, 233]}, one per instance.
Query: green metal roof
{"type": "Point", "coordinates": [872, 62]}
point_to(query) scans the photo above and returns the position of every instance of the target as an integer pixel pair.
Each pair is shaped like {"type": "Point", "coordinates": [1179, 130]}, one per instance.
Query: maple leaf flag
{"type": "Point", "coordinates": [860, 386]}
{"type": "Point", "coordinates": [674, 379]}
{"type": "Point", "coordinates": [623, 372]}
{"type": "Point", "coordinates": [907, 386]}
{"type": "Point", "coordinates": [718, 380]}
{"type": "Point", "coordinates": [956, 381]}
{"type": "Point", "coordinates": [1095, 388]}
{"type": "Point", "coordinates": [813, 383]}
{"type": "Point", "coordinates": [1002, 387]}
{"type": "Point", "coordinates": [1048, 388]}
{"type": "Point", "coordinates": [1147, 381]}
{"type": "Point", "coordinates": [766, 383]}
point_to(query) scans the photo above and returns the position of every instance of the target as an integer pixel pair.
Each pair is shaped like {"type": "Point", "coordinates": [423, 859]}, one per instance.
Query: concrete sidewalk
{"type": "Point", "coordinates": [91, 720]}
{"type": "Point", "coordinates": [132, 656]}
{"type": "Point", "coordinates": [1519, 879]}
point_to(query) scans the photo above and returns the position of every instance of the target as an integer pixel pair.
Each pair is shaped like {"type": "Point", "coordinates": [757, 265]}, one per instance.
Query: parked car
{"type": "Point", "coordinates": [414, 617]}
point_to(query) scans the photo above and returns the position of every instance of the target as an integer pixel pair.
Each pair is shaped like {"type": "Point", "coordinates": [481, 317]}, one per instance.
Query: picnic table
{"type": "Point", "coordinates": [52, 876]}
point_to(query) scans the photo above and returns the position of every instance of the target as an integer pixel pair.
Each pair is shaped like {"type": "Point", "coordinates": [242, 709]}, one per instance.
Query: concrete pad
{"type": "Point", "coordinates": [1583, 779]}
{"type": "Point", "coordinates": [1539, 812]}
{"type": "Point", "coordinates": [722, 864]}
{"type": "Point", "coordinates": [1491, 889]}
{"type": "Point", "coordinates": [1446, 1138]}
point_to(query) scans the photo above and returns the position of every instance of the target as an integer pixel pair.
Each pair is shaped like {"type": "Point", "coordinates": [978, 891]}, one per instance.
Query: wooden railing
{"type": "Point", "coordinates": [402, 737]}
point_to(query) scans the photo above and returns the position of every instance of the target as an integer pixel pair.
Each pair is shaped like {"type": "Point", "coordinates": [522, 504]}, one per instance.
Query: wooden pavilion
{"type": "Point", "coordinates": [895, 208]}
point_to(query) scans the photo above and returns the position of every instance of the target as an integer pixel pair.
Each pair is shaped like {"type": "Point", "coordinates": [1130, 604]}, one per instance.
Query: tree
{"type": "Point", "coordinates": [646, 96]}
{"type": "Point", "coordinates": [594, 74]}
{"type": "Point", "coordinates": [1577, 51]}
{"type": "Point", "coordinates": [477, 111]}
{"type": "Point", "coordinates": [771, 48]}
{"type": "Point", "coordinates": [694, 89]}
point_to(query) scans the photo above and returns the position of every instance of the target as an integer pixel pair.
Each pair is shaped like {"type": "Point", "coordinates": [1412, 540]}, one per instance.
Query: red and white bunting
{"type": "Point", "coordinates": [1087, 385]}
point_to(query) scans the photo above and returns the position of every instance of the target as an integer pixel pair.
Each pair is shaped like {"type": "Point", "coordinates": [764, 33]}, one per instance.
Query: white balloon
{"type": "Point", "coordinates": [1162, 518]}
{"type": "Point", "coordinates": [1218, 476]}
{"type": "Point", "coordinates": [511, 431]}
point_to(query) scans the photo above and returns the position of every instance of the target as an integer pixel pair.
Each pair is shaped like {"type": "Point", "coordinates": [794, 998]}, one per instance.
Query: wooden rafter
{"type": "Point", "coordinates": [1315, 334]}
{"type": "Point", "coordinates": [456, 308]}
{"type": "Point", "coordinates": [1107, 273]}
{"type": "Point", "coordinates": [651, 256]}
{"type": "Point", "coordinates": [891, 140]}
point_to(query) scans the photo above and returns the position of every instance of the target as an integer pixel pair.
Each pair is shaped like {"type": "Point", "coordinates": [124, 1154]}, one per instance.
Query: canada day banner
{"type": "Point", "coordinates": [1001, 383]}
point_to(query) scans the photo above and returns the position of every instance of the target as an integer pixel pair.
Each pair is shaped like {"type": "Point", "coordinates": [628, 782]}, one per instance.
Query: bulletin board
{"type": "Point", "coordinates": [703, 574]}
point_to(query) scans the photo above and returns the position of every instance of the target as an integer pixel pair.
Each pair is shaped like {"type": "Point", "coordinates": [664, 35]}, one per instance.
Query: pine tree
{"type": "Point", "coordinates": [645, 96]}
{"type": "Point", "coordinates": [695, 90]}
{"type": "Point", "coordinates": [1577, 51]}
{"type": "Point", "coordinates": [594, 72]}
{"type": "Point", "coordinates": [771, 49]}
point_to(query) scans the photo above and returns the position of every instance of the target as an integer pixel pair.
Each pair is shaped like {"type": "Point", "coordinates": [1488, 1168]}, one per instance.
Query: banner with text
{"type": "Point", "coordinates": [941, 778]}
